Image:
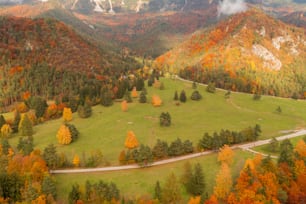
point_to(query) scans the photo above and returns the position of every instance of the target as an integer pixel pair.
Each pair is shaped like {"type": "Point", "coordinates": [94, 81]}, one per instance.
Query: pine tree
{"type": "Point", "coordinates": [85, 111]}
{"type": "Point", "coordinates": [183, 97]}
{"type": "Point", "coordinates": [175, 96]}
{"type": "Point", "coordinates": [49, 186]}
{"type": "Point", "coordinates": [196, 96]}
{"type": "Point", "coordinates": [16, 121]}
{"type": "Point", "coordinates": [273, 145]}
{"type": "Point", "coordinates": [197, 183]}
{"type": "Point", "coordinates": [158, 192]}
{"type": "Point", "coordinates": [25, 126]}
{"type": "Point", "coordinates": [75, 194]}
{"type": "Point", "coordinates": [165, 119]}
{"type": "Point", "coordinates": [286, 152]}
{"type": "Point", "coordinates": [50, 156]}
{"type": "Point", "coordinates": [73, 131]}
{"type": "Point", "coordinates": [142, 97]}
{"type": "Point", "coordinates": [2, 121]}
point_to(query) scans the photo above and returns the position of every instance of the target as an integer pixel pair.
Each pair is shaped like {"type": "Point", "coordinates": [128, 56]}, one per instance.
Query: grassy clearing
{"type": "Point", "coordinates": [106, 129]}
{"type": "Point", "coordinates": [134, 183]}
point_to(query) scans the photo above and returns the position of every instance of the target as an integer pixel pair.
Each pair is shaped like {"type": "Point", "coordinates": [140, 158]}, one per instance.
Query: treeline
{"type": "Point", "coordinates": [144, 155]}
{"type": "Point", "coordinates": [285, 83]}
{"type": "Point", "coordinates": [217, 140]}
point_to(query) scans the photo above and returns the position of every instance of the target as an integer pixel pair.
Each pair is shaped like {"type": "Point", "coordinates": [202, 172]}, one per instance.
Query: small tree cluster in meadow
{"type": "Point", "coordinates": [99, 192]}
{"type": "Point", "coordinates": [216, 141]}
{"type": "Point", "coordinates": [165, 119]}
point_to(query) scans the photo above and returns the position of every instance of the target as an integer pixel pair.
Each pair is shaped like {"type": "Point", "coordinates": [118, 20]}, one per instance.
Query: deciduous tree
{"type": "Point", "coordinates": [124, 106]}
{"type": "Point", "coordinates": [64, 135]}
{"type": "Point", "coordinates": [171, 191]}
{"type": "Point", "coordinates": [226, 155]}
{"type": "Point", "coordinates": [223, 182]}
{"type": "Point", "coordinates": [76, 160]}
{"type": "Point", "coordinates": [6, 131]}
{"type": "Point", "coordinates": [131, 140]}
{"type": "Point", "coordinates": [67, 114]}
{"type": "Point", "coordinates": [156, 101]}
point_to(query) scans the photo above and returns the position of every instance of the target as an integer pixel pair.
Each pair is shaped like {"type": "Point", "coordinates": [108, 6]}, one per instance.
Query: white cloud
{"type": "Point", "coordinates": [229, 7]}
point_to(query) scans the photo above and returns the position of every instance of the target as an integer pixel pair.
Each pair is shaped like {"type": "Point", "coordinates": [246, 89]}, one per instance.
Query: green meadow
{"type": "Point", "coordinates": [106, 129]}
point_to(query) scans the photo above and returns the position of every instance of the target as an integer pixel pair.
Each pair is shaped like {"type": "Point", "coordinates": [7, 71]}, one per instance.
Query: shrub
{"type": "Point", "coordinates": [165, 119]}
{"type": "Point", "coordinates": [196, 96]}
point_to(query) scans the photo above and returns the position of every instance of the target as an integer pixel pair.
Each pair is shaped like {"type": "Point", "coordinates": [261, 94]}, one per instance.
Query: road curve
{"type": "Point", "coordinates": [185, 157]}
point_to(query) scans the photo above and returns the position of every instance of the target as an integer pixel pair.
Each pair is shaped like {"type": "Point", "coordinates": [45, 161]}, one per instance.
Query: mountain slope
{"type": "Point", "coordinates": [247, 45]}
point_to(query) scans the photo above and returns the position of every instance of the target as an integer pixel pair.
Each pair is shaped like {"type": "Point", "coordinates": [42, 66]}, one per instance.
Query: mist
{"type": "Point", "coordinates": [229, 7]}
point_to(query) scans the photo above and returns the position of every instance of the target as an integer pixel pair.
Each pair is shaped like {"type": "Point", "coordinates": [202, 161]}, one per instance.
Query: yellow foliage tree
{"type": "Point", "coordinates": [226, 155]}
{"type": "Point", "coordinates": [64, 135]}
{"type": "Point", "coordinates": [223, 182]}
{"type": "Point", "coordinates": [6, 130]}
{"type": "Point", "coordinates": [156, 101]}
{"type": "Point", "coordinates": [134, 92]}
{"type": "Point", "coordinates": [67, 114]}
{"type": "Point", "coordinates": [40, 200]}
{"type": "Point", "coordinates": [76, 160]}
{"type": "Point", "coordinates": [195, 200]}
{"type": "Point", "coordinates": [124, 106]}
{"type": "Point", "coordinates": [131, 140]}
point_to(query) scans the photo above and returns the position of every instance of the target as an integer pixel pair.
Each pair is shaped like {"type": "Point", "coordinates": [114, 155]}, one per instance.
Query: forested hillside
{"type": "Point", "coordinates": [249, 52]}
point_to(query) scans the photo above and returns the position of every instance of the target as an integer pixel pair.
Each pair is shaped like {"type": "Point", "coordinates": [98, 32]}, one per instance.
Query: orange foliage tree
{"type": "Point", "coordinates": [131, 140]}
{"type": "Point", "coordinates": [156, 101]}
{"type": "Point", "coordinates": [134, 92]}
{"type": "Point", "coordinates": [195, 200]}
{"type": "Point", "coordinates": [124, 106]}
{"type": "Point", "coordinates": [64, 135]}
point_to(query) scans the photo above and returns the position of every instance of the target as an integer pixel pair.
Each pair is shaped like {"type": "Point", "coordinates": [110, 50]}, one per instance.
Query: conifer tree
{"type": "Point", "coordinates": [175, 96]}
{"type": "Point", "coordinates": [50, 156]}
{"type": "Point", "coordinates": [2, 121]}
{"type": "Point", "coordinates": [25, 126]}
{"type": "Point", "coordinates": [183, 97]}
{"type": "Point", "coordinates": [197, 183]}
{"type": "Point", "coordinates": [142, 97]}
{"type": "Point", "coordinates": [16, 121]}
{"type": "Point", "coordinates": [85, 111]}
{"type": "Point", "coordinates": [158, 192]}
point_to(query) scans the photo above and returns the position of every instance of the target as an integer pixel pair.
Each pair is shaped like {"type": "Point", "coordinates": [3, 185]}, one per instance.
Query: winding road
{"type": "Point", "coordinates": [185, 157]}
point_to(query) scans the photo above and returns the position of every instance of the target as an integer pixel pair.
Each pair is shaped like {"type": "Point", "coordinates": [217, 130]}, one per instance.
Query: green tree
{"type": "Point", "coordinates": [5, 146]}
{"type": "Point", "coordinates": [106, 97]}
{"type": "Point", "coordinates": [16, 121]}
{"type": "Point", "coordinates": [171, 193]}
{"type": "Point", "coordinates": [278, 110]}
{"type": "Point", "coordinates": [48, 186]}
{"type": "Point", "coordinates": [196, 96]}
{"type": "Point", "coordinates": [286, 153]}
{"type": "Point", "coordinates": [160, 150]}
{"type": "Point", "coordinates": [211, 88]}
{"type": "Point", "coordinates": [175, 96]}
{"type": "Point", "coordinates": [176, 148]}
{"type": "Point", "coordinates": [273, 145]}
{"type": "Point", "coordinates": [158, 192]}
{"type": "Point", "coordinates": [194, 85]}
{"type": "Point", "coordinates": [50, 156]}
{"type": "Point", "coordinates": [25, 145]}
{"type": "Point", "coordinates": [205, 143]}
{"type": "Point", "coordinates": [38, 104]}
{"type": "Point", "coordinates": [187, 176]}
{"type": "Point", "coordinates": [165, 119]}
{"type": "Point", "coordinates": [188, 147]}
{"type": "Point", "coordinates": [142, 97]}
{"type": "Point", "coordinates": [197, 183]}
{"type": "Point", "coordinates": [143, 156]}
{"type": "Point", "coordinates": [74, 194]}
{"type": "Point", "coordinates": [2, 121]}
{"type": "Point", "coordinates": [73, 131]}
{"type": "Point", "coordinates": [183, 97]}
{"type": "Point", "coordinates": [85, 110]}
{"type": "Point", "coordinates": [25, 126]}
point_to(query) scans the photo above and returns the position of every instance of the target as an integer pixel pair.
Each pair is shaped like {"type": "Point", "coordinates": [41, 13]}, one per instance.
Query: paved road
{"type": "Point", "coordinates": [167, 161]}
